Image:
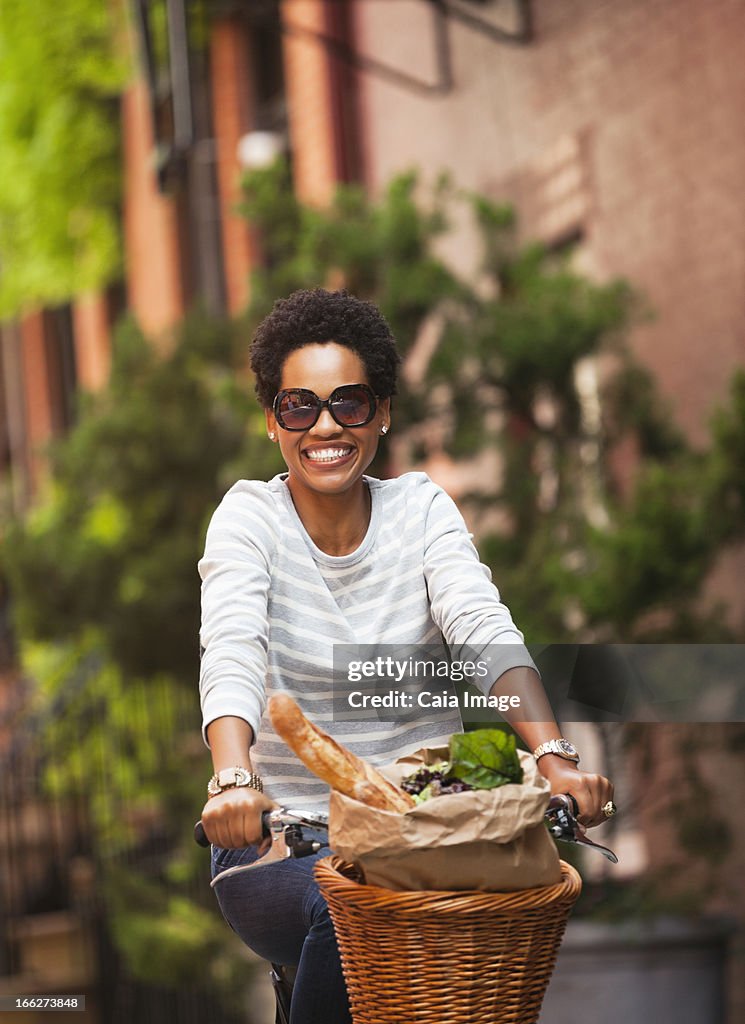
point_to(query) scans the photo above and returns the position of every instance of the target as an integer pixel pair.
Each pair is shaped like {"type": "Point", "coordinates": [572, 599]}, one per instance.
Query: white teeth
{"type": "Point", "coordinates": [327, 454]}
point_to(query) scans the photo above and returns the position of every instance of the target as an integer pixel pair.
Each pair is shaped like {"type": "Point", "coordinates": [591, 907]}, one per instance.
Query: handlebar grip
{"type": "Point", "coordinates": [200, 836]}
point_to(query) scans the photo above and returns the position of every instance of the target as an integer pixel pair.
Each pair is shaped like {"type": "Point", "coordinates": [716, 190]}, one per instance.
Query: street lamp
{"type": "Point", "coordinates": [259, 149]}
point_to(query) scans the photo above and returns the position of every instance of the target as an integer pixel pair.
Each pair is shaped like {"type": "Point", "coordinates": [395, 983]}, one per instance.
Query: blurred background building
{"type": "Point", "coordinates": [616, 128]}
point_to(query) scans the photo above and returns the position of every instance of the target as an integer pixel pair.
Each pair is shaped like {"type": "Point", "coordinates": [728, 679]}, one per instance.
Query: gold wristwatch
{"type": "Point", "coordinates": [561, 747]}
{"type": "Point", "coordinates": [232, 778]}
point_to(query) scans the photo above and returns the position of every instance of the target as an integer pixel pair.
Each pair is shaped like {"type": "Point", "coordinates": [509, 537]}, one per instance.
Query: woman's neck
{"type": "Point", "coordinates": [336, 523]}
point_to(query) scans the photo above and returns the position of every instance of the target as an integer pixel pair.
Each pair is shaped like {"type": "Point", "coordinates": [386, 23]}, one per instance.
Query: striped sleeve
{"type": "Point", "coordinates": [465, 604]}
{"type": "Point", "coordinates": [236, 574]}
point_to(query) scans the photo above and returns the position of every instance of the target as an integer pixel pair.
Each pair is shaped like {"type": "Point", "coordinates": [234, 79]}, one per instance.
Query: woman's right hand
{"type": "Point", "coordinates": [233, 818]}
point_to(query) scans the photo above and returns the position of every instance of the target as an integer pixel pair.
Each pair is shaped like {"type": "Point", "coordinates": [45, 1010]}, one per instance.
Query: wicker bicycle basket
{"type": "Point", "coordinates": [445, 957]}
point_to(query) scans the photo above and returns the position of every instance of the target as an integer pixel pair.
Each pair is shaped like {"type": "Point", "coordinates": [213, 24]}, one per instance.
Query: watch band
{"type": "Point", "coordinates": [232, 778]}
{"type": "Point", "coordinates": [561, 747]}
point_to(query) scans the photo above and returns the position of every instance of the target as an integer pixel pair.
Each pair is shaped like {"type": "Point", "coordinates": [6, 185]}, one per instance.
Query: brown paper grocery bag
{"type": "Point", "coordinates": [489, 839]}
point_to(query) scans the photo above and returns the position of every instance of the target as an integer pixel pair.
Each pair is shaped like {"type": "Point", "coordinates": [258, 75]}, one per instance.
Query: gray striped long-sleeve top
{"type": "Point", "coordinates": [274, 606]}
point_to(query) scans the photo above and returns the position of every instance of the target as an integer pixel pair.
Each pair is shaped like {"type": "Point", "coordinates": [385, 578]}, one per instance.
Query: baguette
{"type": "Point", "coordinates": [330, 761]}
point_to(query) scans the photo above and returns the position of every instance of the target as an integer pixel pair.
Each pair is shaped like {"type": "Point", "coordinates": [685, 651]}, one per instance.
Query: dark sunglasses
{"type": "Point", "coordinates": [351, 405]}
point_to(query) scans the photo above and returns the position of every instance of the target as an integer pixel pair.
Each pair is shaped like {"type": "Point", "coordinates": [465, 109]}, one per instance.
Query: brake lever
{"type": "Point", "coordinates": [290, 824]}
{"type": "Point", "coordinates": [563, 825]}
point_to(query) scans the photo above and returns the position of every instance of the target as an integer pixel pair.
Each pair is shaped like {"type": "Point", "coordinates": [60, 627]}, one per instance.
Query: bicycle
{"type": "Point", "coordinates": [286, 829]}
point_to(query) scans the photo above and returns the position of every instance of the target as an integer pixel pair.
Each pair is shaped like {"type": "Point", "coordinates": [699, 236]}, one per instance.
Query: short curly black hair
{"type": "Point", "coordinates": [315, 315]}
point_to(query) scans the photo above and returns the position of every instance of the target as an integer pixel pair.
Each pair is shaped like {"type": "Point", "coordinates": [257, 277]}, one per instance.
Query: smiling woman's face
{"type": "Point", "coordinates": [327, 458]}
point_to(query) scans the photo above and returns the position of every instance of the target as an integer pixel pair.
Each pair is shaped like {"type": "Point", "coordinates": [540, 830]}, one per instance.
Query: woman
{"type": "Point", "coordinates": [322, 556]}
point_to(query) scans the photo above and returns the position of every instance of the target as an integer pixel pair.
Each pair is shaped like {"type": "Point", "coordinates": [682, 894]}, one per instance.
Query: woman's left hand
{"type": "Point", "coordinates": [592, 792]}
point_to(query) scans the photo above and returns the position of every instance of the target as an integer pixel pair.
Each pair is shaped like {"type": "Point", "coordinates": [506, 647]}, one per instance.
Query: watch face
{"type": "Point", "coordinates": [568, 748]}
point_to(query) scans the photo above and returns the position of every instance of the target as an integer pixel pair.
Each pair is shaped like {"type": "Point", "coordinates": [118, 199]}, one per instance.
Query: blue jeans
{"type": "Point", "coordinates": [279, 912]}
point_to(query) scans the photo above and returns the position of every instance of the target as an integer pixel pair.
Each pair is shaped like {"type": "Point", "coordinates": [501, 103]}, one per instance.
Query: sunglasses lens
{"type": "Point", "coordinates": [353, 406]}
{"type": "Point", "coordinates": [298, 410]}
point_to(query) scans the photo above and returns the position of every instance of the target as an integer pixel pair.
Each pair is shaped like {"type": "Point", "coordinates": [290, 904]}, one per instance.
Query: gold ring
{"type": "Point", "coordinates": [609, 809]}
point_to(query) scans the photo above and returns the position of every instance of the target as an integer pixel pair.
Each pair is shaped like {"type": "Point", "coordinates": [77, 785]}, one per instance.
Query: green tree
{"type": "Point", "coordinates": [106, 601]}
{"type": "Point", "coordinates": [114, 543]}
{"type": "Point", "coordinates": [59, 149]}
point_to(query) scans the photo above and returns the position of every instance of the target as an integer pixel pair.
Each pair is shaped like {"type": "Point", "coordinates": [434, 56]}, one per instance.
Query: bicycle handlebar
{"type": "Point", "coordinates": [561, 819]}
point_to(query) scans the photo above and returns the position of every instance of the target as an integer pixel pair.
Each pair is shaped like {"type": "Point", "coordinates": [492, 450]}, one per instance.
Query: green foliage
{"type": "Point", "coordinates": [164, 935]}
{"type": "Point", "coordinates": [108, 735]}
{"type": "Point", "coordinates": [485, 758]}
{"type": "Point", "coordinates": [59, 149]}
{"type": "Point", "coordinates": [634, 405]}
{"type": "Point", "coordinates": [106, 601]}
{"type": "Point", "coordinates": [685, 508]}
{"type": "Point", "coordinates": [382, 251]}
{"type": "Point", "coordinates": [658, 552]}
{"type": "Point", "coordinates": [543, 322]}
{"type": "Point", "coordinates": [115, 541]}
{"type": "Point", "coordinates": [119, 741]}
{"type": "Point", "coordinates": [727, 479]}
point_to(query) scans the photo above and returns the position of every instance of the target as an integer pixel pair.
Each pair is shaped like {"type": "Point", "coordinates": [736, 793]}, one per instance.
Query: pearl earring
{"type": "Point", "coordinates": [384, 429]}
{"type": "Point", "coordinates": [272, 435]}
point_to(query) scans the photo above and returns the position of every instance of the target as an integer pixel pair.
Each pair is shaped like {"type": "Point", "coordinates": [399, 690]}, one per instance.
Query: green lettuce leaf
{"type": "Point", "coordinates": [485, 758]}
